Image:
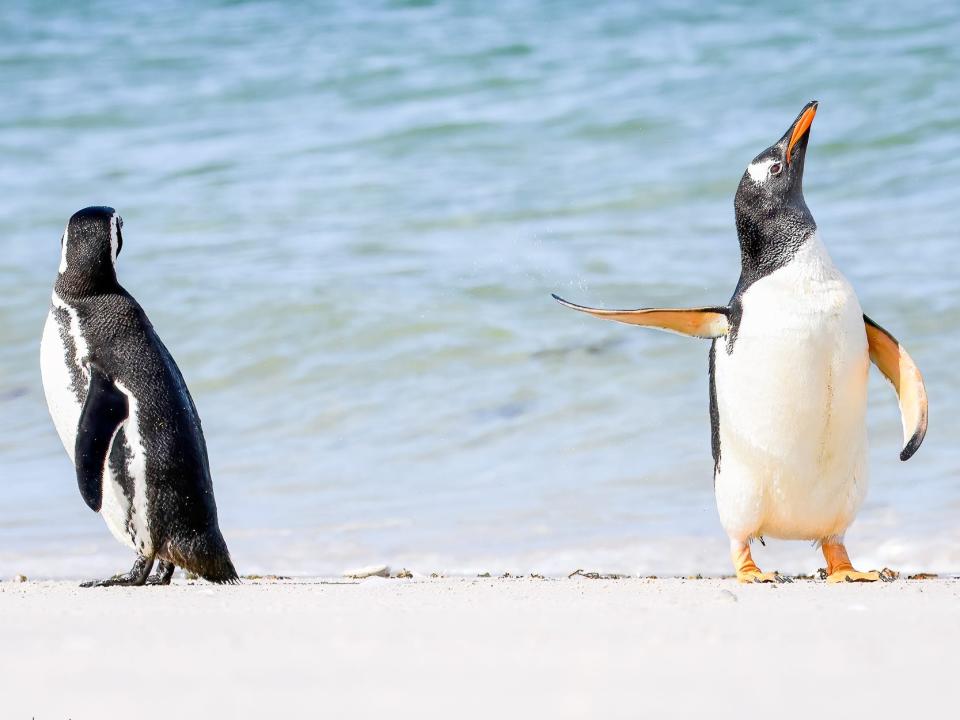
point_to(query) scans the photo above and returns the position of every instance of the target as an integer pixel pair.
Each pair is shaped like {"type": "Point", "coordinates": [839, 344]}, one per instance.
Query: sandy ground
{"type": "Point", "coordinates": [480, 648]}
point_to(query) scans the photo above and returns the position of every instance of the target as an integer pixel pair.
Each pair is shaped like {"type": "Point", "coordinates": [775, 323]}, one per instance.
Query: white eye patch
{"type": "Point", "coordinates": [63, 250]}
{"type": "Point", "coordinates": [759, 170]}
{"type": "Point", "coordinates": [114, 245]}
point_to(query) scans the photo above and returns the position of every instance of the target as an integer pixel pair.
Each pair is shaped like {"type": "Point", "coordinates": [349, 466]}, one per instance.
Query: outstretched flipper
{"type": "Point", "coordinates": [103, 411]}
{"type": "Point", "coordinates": [708, 322]}
{"type": "Point", "coordinates": [894, 362]}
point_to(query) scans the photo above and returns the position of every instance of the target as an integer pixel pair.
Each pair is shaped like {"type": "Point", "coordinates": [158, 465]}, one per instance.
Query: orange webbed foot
{"type": "Point", "coordinates": [840, 569]}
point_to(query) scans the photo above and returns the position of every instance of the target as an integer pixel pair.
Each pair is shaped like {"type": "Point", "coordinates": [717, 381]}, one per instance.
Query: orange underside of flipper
{"type": "Point", "coordinates": [694, 322]}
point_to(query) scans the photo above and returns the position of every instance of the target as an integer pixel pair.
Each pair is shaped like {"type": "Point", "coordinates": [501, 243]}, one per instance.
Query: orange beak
{"type": "Point", "coordinates": [800, 129]}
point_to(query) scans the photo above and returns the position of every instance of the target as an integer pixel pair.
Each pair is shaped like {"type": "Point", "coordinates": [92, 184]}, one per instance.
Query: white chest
{"type": "Point", "coordinates": [808, 297]}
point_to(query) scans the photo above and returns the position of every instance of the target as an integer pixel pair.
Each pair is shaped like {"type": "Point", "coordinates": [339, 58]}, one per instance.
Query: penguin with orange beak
{"type": "Point", "coordinates": [789, 361]}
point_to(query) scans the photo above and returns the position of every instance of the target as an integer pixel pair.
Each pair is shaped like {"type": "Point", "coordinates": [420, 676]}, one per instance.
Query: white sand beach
{"type": "Point", "coordinates": [484, 647]}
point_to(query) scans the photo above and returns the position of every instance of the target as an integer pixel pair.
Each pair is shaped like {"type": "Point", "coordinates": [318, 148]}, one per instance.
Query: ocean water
{"type": "Point", "coordinates": [346, 219]}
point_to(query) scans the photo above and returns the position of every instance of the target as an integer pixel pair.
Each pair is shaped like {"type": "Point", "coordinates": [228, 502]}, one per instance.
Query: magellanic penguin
{"type": "Point", "coordinates": [789, 361]}
{"type": "Point", "coordinates": [125, 416]}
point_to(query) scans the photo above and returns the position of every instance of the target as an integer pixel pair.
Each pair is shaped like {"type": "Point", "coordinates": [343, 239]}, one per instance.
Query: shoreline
{"type": "Point", "coordinates": [477, 647]}
{"type": "Point", "coordinates": [665, 557]}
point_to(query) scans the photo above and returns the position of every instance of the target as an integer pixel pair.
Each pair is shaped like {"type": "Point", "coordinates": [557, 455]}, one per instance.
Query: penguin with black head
{"type": "Point", "coordinates": [788, 363]}
{"type": "Point", "coordinates": [125, 416]}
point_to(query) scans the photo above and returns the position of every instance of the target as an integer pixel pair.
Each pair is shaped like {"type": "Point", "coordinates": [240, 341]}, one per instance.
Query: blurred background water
{"type": "Point", "coordinates": [345, 221]}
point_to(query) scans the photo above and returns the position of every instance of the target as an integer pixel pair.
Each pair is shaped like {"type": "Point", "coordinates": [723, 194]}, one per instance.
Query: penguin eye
{"type": "Point", "coordinates": [776, 168]}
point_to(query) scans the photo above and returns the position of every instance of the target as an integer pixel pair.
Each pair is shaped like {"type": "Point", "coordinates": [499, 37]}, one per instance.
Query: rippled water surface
{"type": "Point", "coordinates": [346, 222]}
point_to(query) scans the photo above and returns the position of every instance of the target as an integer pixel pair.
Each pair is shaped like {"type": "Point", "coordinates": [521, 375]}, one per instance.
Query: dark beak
{"type": "Point", "coordinates": [799, 132]}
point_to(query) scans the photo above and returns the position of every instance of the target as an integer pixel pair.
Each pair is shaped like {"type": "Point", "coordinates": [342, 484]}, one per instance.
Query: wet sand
{"type": "Point", "coordinates": [484, 647]}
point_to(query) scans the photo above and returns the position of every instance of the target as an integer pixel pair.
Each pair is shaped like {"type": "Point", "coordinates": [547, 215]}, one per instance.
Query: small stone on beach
{"type": "Point", "coordinates": [376, 580]}
{"type": "Point", "coordinates": [369, 571]}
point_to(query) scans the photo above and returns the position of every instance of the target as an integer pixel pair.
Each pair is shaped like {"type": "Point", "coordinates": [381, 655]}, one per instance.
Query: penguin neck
{"type": "Point", "coordinates": [101, 279]}
{"type": "Point", "coordinates": [770, 240]}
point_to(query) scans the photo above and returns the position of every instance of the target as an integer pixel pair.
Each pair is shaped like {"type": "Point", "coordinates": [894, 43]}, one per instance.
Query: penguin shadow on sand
{"type": "Point", "coordinates": [789, 361]}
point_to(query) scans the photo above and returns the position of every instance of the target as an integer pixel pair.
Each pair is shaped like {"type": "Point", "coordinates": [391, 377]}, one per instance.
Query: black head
{"type": "Point", "coordinates": [89, 249]}
{"type": "Point", "coordinates": [772, 217]}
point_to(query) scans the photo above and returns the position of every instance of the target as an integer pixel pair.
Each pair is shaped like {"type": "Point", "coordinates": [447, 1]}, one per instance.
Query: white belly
{"type": "Point", "coordinates": [792, 405]}
{"type": "Point", "coordinates": [65, 409]}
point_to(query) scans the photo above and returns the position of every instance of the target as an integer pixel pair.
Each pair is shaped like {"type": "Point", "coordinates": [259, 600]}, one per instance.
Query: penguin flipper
{"type": "Point", "coordinates": [706, 322]}
{"type": "Point", "coordinates": [105, 408]}
{"type": "Point", "coordinates": [898, 367]}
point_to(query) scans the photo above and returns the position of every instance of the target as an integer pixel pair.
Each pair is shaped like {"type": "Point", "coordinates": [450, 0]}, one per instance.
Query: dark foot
{"type": "Point", "coordinates": [137, 575]}
{"type": "Point", "coordinates": [163, 575]}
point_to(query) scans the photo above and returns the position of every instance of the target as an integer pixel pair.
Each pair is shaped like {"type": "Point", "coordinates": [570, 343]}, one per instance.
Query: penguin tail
{"type": "Point", "coordinates": [206, 556]}
{"type": "Point", "coordinates": [219, 570]}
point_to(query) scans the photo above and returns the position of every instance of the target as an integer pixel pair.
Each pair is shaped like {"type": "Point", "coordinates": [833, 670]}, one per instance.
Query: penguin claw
{"type": "Point", "coordinates": [137, 575]}
{"type": "Point", "coordinates": [855, 576]}
{"type": "Point", "coordinates": [757, 577]}
{"type": "Point", "coordinates": [163, 575]}
{"type": "Point", "coordinates": [157, 580]}
{"type": "Point", "coordinates": [115, 581]}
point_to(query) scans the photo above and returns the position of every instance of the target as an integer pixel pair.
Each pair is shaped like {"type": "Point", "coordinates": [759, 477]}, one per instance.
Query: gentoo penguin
{"type": "Point", "coordinates": [125, 416]}
{"type": "Point", "coordinates": [789, 360]}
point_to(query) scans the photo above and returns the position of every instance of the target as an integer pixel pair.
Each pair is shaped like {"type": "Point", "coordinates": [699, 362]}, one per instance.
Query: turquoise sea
{"type": "Point", "coordinates": [346, 219]}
